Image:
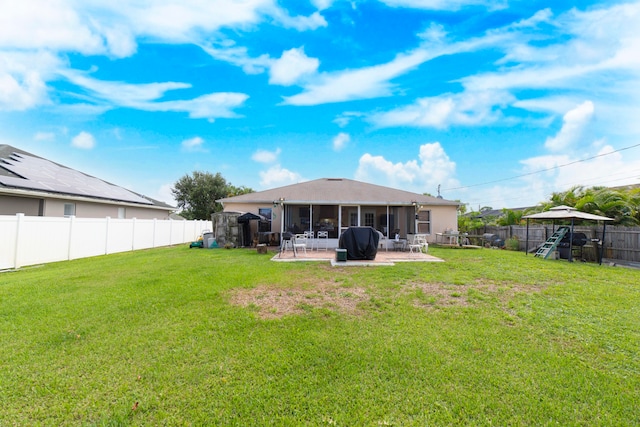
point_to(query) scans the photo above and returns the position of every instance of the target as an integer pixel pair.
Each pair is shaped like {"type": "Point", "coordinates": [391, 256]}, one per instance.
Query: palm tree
{"type": "Point", "coordinates": [607, 202]}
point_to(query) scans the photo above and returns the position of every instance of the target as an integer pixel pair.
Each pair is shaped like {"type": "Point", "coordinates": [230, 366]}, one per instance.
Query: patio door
{"type": "Point", "coordinates": [349, 217]}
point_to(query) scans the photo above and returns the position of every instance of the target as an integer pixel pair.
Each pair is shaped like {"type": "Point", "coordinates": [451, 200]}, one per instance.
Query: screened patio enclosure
{"type": "Point", "coordinates": [335, 219]}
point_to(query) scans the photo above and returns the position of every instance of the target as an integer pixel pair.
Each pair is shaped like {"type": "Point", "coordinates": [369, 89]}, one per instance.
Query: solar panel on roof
{"type": "Point", "coordinates": [40, 174]}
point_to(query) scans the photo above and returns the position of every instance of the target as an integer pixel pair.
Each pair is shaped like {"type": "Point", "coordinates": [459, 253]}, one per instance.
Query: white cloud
{"type": "Point", "coordinates": [210, 107]}
{"type": "Point", "coordinates": [193, 145]}
{"type": "Point", "coordinates": [573, 124]}
{"type": "Point", "coordinates": [264, 156]}
{"type": "Point", "coordinates": [363, 83]}
{"type": "Point", "coordinates": [238, 56]}
{"type": "Point", "coordinates": [144, 96]}
{"type": "Point", "coordinates": [346, 117]}
{"type": "Point", "coordinates": [291, 66]}
{"type": "Point", "coordinates": [43, 24]}
{"type": "Point", "coordinates": [432, 168]}
{"type": "Point", "coordinates": [340, 141]}
{"type": "Point", "coordinates": [322, 4]}
{"type": "Point", "coordinates": [556, 104]}
{"type": "Point", "coordinates": [164, 194]}
{"type": "Point", "coordinates": [277, 176]}
{"type": "Point", "coordinates": [57, 27]}
{"type": "Point", "coordinates": [581, 48]}
{"type": "Point", "coordinates": [84, 141]}
{"type": "Point", "coordinates": [300, 23]}
{"type": "Point", "coordinates": [44, 136]}
{"type": "Point", "coordinates": [444, 4]}
{"type": "Point", "coordinates": [123, 94]}
{"type": "Point", "coordinates": [468, 108]}
{"type": "Point", "coordinates": [23, 78]}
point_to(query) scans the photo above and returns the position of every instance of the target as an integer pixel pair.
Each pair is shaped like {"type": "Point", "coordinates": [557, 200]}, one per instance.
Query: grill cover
{"type": "Point", "coordinates": [579, 239]}
{"type": "Point", "coordinates": [360, 243]}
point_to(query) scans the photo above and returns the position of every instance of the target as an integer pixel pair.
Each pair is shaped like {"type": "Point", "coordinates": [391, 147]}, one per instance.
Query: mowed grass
{"type": "Point", "coordinates": [179, 336]}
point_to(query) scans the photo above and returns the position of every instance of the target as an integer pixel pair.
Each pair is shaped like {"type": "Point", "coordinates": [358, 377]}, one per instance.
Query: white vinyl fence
{"type": "Point", "coordinates": [29, 240]}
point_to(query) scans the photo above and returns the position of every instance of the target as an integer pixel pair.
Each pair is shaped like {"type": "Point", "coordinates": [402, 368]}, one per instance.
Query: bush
{"type": "Point", "coordinates": [512, 244]}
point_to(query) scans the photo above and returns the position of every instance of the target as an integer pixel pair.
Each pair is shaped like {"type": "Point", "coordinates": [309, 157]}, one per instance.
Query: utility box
{"type": "Point", "coordinates": [341, 255]}
{"type": "Point", "coordinates": [207, 239]}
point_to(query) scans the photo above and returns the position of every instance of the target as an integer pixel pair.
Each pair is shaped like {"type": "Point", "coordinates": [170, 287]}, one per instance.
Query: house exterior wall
{"type": "Point", "coordinates": [442, 218]}
{"type": "Point", "coordinates": [11, 205]}
{"type": "Point", "coordinates": [55, 208]}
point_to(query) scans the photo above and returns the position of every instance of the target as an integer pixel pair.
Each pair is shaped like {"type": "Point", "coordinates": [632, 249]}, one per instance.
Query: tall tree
{"type": "Point", "coordinates": [196, 194]}
{"type": "Point", "coordinates": [510, 217]}
{"type": "Point", "coordinates": [616, 203]}
{"type": "Point", "coordinates": [608, 202]}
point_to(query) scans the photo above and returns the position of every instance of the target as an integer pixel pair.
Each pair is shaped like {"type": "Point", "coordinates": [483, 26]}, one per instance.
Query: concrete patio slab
{"type": "Point", "coordinates": [382, 258]}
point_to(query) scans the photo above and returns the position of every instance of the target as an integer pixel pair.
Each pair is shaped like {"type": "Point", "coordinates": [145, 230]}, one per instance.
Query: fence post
{"type": "Point", "coordinates": [16, 255]}
{"type": "Point", "coordinates": [155, 220]}
{"type": "Point", "coordinates": [106, 238]}
{"type": "Point", "coordinates": [133, 234]}
{"type": "Point", "coordinates": [72, 220]}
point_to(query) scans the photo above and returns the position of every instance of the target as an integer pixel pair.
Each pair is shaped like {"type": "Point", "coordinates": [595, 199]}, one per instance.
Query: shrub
{"type": "Point", "coordinates": [512, 244]}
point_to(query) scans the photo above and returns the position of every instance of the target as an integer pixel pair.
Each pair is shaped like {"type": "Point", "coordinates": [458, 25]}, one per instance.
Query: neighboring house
{"type": "Point", "coordinates": [335, 204]}
{"type": "Point", "coordinates": [492, 214]}
{"type": "Point", "coordinates": [38, 187]}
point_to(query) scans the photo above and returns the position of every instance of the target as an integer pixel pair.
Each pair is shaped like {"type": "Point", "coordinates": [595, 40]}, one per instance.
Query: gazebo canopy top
{"type": "Point", "coordinates": [566, 212]}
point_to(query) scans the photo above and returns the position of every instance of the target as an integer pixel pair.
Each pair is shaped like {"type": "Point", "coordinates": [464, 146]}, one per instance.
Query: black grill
{"type": "Point", "coordinates": [579, 239]}
{"type": "Point", "coordinates": [493, 240]}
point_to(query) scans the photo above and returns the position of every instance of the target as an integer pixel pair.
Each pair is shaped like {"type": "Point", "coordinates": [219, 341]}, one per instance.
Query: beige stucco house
{"type": "Point", "coordinates": [35, 186]}
{"type": "Point", "coordinates": [335, 204]}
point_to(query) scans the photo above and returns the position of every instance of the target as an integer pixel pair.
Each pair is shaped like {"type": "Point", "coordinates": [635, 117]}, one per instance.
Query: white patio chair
{"type": "Point", "coordinates": [382, 241]}
{"type": "Point", "coordinates": [311, 242]}
{"type": "Point", "coordinates": [323, 236]}
{"type": "Point", "coordinates": [300, 242]}
{"type": "Point", "coordinates": [419, 242]}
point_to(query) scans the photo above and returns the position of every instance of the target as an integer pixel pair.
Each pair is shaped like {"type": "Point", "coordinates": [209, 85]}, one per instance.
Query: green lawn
{"type": "Point", "coordinates": [179, 336]}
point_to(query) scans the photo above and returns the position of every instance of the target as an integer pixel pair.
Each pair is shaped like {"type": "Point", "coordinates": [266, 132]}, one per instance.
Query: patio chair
{"type": "Point", "coordinates": [287, 240]}
{"type": "Point", "coordinates": [382, 240]}
{"type": "Point", "coordinates": [419, 242]}
{"type": "Point", "coordinates": [323, 236]}
{"type": "Point", "coordinates": [310, 240]}
{"type": "Point", "coordinates": [300, 242]}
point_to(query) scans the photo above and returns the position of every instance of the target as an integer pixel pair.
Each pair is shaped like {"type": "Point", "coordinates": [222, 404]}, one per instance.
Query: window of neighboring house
{"type": "Point", "coordinates": [424, 222]}
{"type": "Point", "coordinates": [122, 213]}
{"type": "Point", "coordinates": [69, 209]}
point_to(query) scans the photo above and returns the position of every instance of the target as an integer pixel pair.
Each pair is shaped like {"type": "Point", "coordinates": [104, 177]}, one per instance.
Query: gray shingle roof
{"type": "Point", "coordinates": [338, 191]}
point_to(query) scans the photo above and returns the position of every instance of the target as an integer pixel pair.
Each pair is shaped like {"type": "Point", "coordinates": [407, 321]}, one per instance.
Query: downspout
{"type": "Point", "coordinates": [281, 220]}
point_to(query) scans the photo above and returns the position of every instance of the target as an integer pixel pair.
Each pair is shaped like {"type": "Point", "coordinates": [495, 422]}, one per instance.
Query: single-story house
{"type": "Point", "coordinates": [36, 186]}
{"type": "Point", "coordinates": [332, 205]}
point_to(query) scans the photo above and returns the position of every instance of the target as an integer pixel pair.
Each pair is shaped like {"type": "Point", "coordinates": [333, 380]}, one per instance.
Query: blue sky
{"type": "Point", "coordinates": [497, 102]}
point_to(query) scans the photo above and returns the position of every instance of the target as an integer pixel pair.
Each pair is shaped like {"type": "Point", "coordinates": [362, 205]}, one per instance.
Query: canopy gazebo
{"type": "Point", "coordinates": [567, 213]}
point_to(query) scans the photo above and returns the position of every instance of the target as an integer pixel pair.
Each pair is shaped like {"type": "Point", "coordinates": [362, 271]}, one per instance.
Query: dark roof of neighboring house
{"type": "Point", "coordinates": [494, 212]}
{"type": "Point", "coordinates": [626, 187]}
{"type": "Point", "coordinates": [21, 170]}
{"type": "Point", "coordinates": [329, 191]}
